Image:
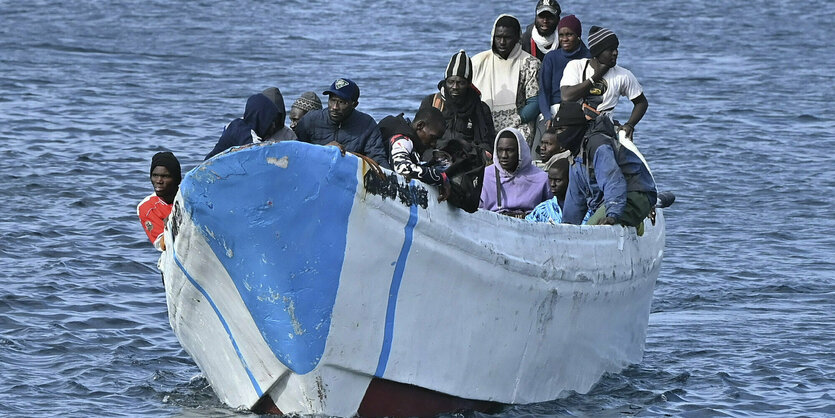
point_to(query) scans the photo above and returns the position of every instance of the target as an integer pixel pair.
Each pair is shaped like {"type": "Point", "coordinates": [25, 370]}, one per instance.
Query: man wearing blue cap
{"type": "Point", "coordinates": [340, 124]}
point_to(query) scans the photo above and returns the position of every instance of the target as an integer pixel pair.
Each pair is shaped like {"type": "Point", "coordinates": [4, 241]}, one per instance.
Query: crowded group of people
{"type": "Point", "coordinates": [524, 128]}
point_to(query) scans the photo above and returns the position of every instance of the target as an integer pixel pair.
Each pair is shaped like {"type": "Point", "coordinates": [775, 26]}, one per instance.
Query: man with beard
{"type": "Point", "coordinates": [341, 125]}
{"type": "Point", "coordinates": [606, 177]}
{"type": "Point", "coordinates": [601, 82]}
{"type": "Point", "coordinates": [467, 117]}
{"type": "Point", "coordinates": [152, 211]}
{"type": "Point", "coordinates": [507, 78]}
{"type": "Point", "coordinates": [540, 36]}
{"type": "Point", "coordinates": [513, 185]}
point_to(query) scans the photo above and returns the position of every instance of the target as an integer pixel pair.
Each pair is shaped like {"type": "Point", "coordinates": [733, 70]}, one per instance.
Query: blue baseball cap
{"type": "Point", "coordinates": [345, 89]}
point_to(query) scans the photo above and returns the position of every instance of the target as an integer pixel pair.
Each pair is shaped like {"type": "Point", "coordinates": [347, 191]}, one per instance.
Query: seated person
{"type": "Point", "coordinates": [551, 210]}
{"type": "Point", "coordinates": [342, 125]}
{"type": "Point", "coordinates": [512, 184]}
{"type": "Point", "coordinates": [409, 139]}
{"type": "Point", "coordinates": [467, 117]}
{"type": "Point", "coordinates": [606, 177]}
{"type": "Point", "coordinates": [282, 132]}
{"type": "Point", "coordinates": [262, 119]}
{"type": "Point", "coordinates": [152, 211]}
{"type": "Point", "coordinates": [305, 103]}
{"type": "Point", "coordinates": [550, 150]}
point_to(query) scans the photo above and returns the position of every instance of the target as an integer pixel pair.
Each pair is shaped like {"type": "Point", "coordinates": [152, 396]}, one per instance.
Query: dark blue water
{"type": "Point", "coordinates": [740, 126]}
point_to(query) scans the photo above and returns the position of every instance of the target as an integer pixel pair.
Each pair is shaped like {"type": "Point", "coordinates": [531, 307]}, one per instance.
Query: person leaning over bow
{"type": "Point", "coordinates": [540, 36]}
{"type": "Point", "coordinates": [341, 125]}
{"type": "Point", "coordinates": [153, 209]}
{"type": "Point", "coordinates": [571, 47]}
{"type": "Point", "coordinates": [512, 184]}
{"type": "Point", "coordinates": [601, 82]}
{"type": "Point", "coordinates": [467, 117]}
{"type": "Point", "coordinates": [409, 139]}
{"type": "Point", "coordinates": [605, 176]}
{"type": "Point", "coordinates": [507, 78]}
{"type": "Point", "coordinates": [262, 120]}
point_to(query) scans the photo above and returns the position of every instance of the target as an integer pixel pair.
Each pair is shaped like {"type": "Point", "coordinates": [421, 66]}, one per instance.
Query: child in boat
{"type": "Point", "coordinates": [409, 139]}
{"type": "Point", "coordinates": [512, 184]}
{"type": "Point", "coordinates": [550, 149]}
{"type": "Point", "coordinates": [551, 210]}
{"type": "Point", "coordinates": [152, 211]}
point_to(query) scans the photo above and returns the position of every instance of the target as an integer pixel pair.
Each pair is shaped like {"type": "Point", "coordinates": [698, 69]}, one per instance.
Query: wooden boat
{"type": "Point", "coordinates": [302, 282]}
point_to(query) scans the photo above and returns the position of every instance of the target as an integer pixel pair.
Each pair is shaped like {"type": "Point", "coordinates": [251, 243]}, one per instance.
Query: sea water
{"type": "Point", "coordinates": [740, 127]}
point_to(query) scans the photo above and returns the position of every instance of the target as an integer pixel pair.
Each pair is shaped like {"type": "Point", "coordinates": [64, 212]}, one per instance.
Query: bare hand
{"type": "Point", "coordinates": [444, 192]}
{"type": "Point", "coordinates": [607, 221]}
{"type": "Point", "coordinates": [338, 145]}
{"type": "Point", "coordinates": [600, 69]}
{"type": "Point", "coordinates": [628, 129]}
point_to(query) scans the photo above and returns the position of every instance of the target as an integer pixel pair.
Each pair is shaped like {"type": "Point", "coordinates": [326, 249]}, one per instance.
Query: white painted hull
{"type": "Point", "coordinates": [478, 306]}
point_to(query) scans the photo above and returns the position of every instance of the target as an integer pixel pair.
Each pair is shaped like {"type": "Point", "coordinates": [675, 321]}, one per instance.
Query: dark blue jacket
{"type": "Point", "coordinates": [550, 75]}
{"type": "Point", "coordinates": [259, 115]}
{"type": "Point", "coordinates": [616, 170]}
{"type": "Point", "coordinates": [358, 133]}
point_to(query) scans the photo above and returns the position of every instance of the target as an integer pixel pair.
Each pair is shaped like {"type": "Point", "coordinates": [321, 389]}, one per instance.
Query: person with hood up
{"type": "Point", "coordinates": [540, 36]}
{"type": "Point", "coordinates": [507, 78]}
{"type": "Point", "coordinates": [467, 117]}
{"type": "Point", "coordinates": [152, 210]}
{"type": "Point", "coordinates": [341, 125]}
{"type": "Point", "coordinates": [263, 119]}
{"type": "Point", "coordinates": [512, 184]}
{"type": "Point", "coordinates": [601, 82]}
{"type": "Point", "coordinates": [571, 47]}
{"type": "Point", "coordinates": [607, 177]}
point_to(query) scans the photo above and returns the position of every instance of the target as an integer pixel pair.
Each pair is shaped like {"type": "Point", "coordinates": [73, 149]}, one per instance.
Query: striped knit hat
{"type": "Point", "coordinates": [601, 39]}
{"type": "Point", "coordinates": [460, 65]}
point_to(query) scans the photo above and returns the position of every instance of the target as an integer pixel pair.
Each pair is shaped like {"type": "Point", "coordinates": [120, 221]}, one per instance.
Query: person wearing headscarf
{"type": "Point", "coordinates": [600, 82]}
{"type": "Point", "coordinates": [165, 176]}
{"type": "Point", "coordinates": [467, 117]}
{"type": "Point", "coordinates": [263, 119]}
{"type": "Point", "coordinates": [540, 37]}
{"type": "Point", "coordinates": [305, 103]}
{"type": "Point", "coordinates": [512, 184]}
{"type": "Point", "coordinates": [607, 177]}
{"type": "Point", "coordinates": [571, 47]}
{"type": "Point", "coordinates": [507, 77]}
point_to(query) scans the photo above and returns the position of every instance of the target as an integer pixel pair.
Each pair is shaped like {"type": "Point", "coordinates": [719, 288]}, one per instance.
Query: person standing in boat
{"type": "Point", "coordinates": [305, 103]}
{"type": "Point", "coordinates": [600, 81]}
{"type": "Point", "coordinates": [540, 36]}
{"type": "Point", "coordinates": [409, 139]}
{"type": "Point", "coordinates": [263, 120]}
{"type": "Point", "coordinates": [606, 177]}
{"type": "Point", "coordinates": [467, 117]}
{"type": "Point", "coordinates": [512, 184]}
{"type": "Point", "coordinates": [507, 78]}
{"type": "Point", "coordinates": [571, 47]}
{"type": "Point", "coordinates": [341, 125]}
{"type": "Point", "coordinates": [152, 210]}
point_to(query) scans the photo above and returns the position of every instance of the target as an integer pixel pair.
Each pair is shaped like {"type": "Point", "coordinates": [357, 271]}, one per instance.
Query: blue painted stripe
{"type": "Point", "coordinates": [222, 321]}
{"type": "Point", "coordinates": [393, 291]}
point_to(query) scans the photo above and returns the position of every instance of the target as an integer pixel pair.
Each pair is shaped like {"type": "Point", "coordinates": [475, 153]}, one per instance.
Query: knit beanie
{"type": "Point", "coordinates": [460, 65]}
{"type": "Point", "coordinates": [571, 22]}
{"type": "Point", "coordinates": [308, 101]}
{"type": "Point", "coordinates": [601, 39]}
{"type": "Point", "coordinates": [169, 161]}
